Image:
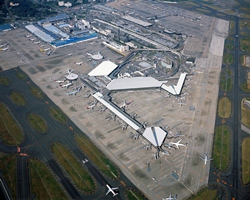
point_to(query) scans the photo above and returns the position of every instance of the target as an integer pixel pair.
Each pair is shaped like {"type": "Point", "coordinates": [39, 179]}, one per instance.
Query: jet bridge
{"type": "Point", "coordinates": [118, 113]}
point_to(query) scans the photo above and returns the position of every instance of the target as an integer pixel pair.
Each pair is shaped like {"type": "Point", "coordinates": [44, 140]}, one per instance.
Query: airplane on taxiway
{"type": "Point", "coordinates": [112, 190]}
{"type": "Point", "coordinates": [206, 159]}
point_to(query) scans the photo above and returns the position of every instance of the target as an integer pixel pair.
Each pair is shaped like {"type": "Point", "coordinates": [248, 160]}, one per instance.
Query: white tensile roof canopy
{"type": "Point", "coordinates": [155, 135]}
{"type": "Point", "coordinates": [104, 69]}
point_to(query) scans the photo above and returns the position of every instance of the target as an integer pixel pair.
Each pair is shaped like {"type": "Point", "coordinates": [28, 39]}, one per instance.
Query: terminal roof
{"type": "Point", "coordinates": [104, 69]}
{"type": "Point", "coordinates": [133, 83]}
{"type": "Point", "coordinates": [137, 21]}
{"type": "Point", "coordinates": [155, 135]}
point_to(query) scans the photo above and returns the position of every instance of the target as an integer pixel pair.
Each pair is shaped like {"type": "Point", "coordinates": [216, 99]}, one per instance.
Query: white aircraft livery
{"type": "Point", "coordinates": [177, 144]}
{"type": "Point", "coordinates": [206, 159]}
{"type": "Point", "coordinates": [112, 190]}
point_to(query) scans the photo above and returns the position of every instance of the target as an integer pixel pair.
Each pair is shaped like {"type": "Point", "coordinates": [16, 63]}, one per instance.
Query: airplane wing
{"type": "Point", "coordinates": [116, 188]}
{"type": "Point", "coordinates": [202, 158]}
{"type": "Point", "coordinates": [108, 191]}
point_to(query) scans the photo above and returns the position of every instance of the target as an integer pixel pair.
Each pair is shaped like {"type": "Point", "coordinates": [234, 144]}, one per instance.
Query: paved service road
{"type": "Point", "coordinates": [38, 145]}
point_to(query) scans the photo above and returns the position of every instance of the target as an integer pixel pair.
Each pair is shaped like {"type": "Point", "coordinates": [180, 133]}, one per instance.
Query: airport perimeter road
{"type": "Point", "coordinates": [230, 180]}
{"type": "Point", "coordinates": [23, 185]}
{"type": "Point", "coordinates": [38, 145]}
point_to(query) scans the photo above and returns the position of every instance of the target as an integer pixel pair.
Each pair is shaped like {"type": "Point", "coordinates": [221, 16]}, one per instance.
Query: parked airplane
{"type": "Point", "coordinates": [66, 85]}
{"type": "Point", "coordinates": [37, 42]}
{"type": "Point", "coordinates": [112, 190]}
{"type": "Point", "coordinates": [90, 107]}
{"type": "Point", "coordinates": [206, 159]}
{"type": "Point", "coordinates": [86, 95]}
{"type": "Point", "coordinates": [125, 104]}
{"type": "Point", "coordinates": [85, 161]}
{"type": "Point", "coordinates": [60, 81]}
{"type": "Point", "coordinates": [32, 39]}
{"type": "Point", "coordinates": [46, 49]}
{"type": "Point", "coordinates": [74, 92]}
{"type": "Point", "coordinates": [27, 36]}
{"type": "Point", "coordinates": [170, 197]}
{"type": "Point", "coordinates": [5, 49]}
{"type": "Point", "coordinates": [70, 54]}
{"type": "Point", "coordinates": [78, 63]}
{"type": "Point", "coordinates": [177, 144]}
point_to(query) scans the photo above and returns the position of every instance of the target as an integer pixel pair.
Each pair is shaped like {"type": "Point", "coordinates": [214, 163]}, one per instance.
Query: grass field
{"type": "Point", "coordinates": [244, 87]}
{"type": "Point", "coordinates": [246, 161]}
{"type": "Point", "coordinates": [74, 169]}
{"type": "Point", "coordinates": [21, 76]}
{"type": "Point", "coordinates": [97, 157]}
{"type": "Point", "coordinates": [224, 107]}
{"type": "Point", "coordinates": [38, 93]}
{"type": "Point", "coordinates": [226, 83]}
{"type": "Point", "coordinates": [8, 169]}
{"type": "Point", "coordinates": [10, 133]}
{"type": "Point", "coordinates": [205, 194]}
{"type": "Point", "coordinates": [245, 23]}
{"type": "Point", "coordinates": [134, 195]}
{"type": "Point", "coordinates": [245, 114]}
{"type": "Point", "coordinates": [58, 115]}
{"type": "Point", "coordinates": [43, 183]}
{"type": "Point", "coordinates": [221, 148]}
{"type": "Point", "coordinates": [245, 44]}
{"type": "Point", "coordinates": [228, 58]}
{"type": "Point", "coordinates": [4, 81]}
{"type": "Point", "coordinates": [37, 123]}
{"type": "Point", "coordinates": [229, 46]}
{"type": "Point", "coordinates": [18, 98]}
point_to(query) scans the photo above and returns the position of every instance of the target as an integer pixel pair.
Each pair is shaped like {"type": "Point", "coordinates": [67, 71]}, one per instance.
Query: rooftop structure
{"type": "Point", "coordinates": [155, 135]}
{"type": "Point", "coordinates": [56, 31]}
{"type": "Point", "coordinates": [99, 97]}
{"type": "Point", "coordinates": [137, 21]}
{"type": "Point", "coordinates": [72, 77]}
{"type": "Point", "coordinates": [97, 56]}
{"type": "Point", "coordinates": [133, 83]}
{"type": "Point", "coordinates": [5, 27]}
{"type": "Point", "coordinates": [39, 33]}
{"type": "Point", "coordinates": [104, 69]}
{"type": "Point", "coordinates": [175, 89]}
{"type": "Point", "coordinates": [54, 19]}
{"type": "Point", "coordinates": [145, 82]}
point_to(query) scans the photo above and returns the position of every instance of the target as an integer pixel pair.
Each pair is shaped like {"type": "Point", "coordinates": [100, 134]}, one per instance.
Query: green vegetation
{"type": "Point", "coordinates": [37, 92]}
{"type": "Point", "coordinates": [246, 161]}
{"type": "Point", "coordinates": [8, 170]}
{"type": "Point", "coordinates": [4, 81]}
{"type": "Point", "coordinates": [245, 114]}
{"type": "Point", "coordinates": [58, 115]}
{"type": "Point", "coordinates": [221, 148]}
{"type": "Point", "coordinates": [224, 107]}
{"type": "Point", "coordinates": [245, 23]}
{"type": "Point", "coordinates": [134, 195]}
{"type": "Point", "coordinates": [43, 184]}
{"type": "Point", "coordinates": [74, 169]}
{"type": "Point", "coordinates": [22, 76]}
{"type": "Point", "coordinates": [228, 58]}
{"type": "Point", "coordinates": [226, 83]}
{"type": "Point", "coordinates": [10, 133]}
{"type": "Point", "coordinates": [18, 98]}
{"type": "Point", "coordinates": [37, 123]}
{"type": "Point", "coordinates": [245, 88]}
{"type": "Point", "coordinates": [229, 46]}
{"type": "Point", "coordinates": [97, 157]}
{"type": "Point", "coordinates": [205, 194]}
{"type": "Point", "coordinates": [245, 44]}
